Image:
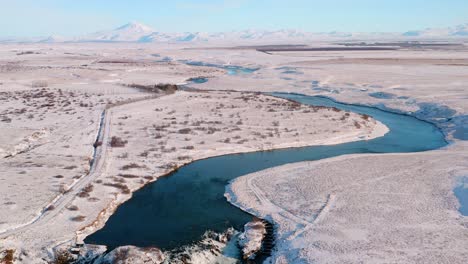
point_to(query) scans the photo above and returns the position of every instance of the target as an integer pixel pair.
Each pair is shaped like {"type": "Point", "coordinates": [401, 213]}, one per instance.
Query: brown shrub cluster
{"type": "Point", "coordinates": [117, 142]}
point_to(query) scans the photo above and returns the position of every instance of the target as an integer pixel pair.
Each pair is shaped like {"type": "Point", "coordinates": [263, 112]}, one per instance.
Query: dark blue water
{"type": "Point", "coordinates": [198, 80]}
{"type": "Point", "coordinates": [231, 69]}
{"type": "Point", "coordinates": [177, 210]}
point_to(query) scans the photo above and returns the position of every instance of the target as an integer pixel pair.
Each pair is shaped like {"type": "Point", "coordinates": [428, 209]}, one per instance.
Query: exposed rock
{"type": "Point", "coordinates": [132, 255]}
{"type": "Point", "coordinates": [251, 239]}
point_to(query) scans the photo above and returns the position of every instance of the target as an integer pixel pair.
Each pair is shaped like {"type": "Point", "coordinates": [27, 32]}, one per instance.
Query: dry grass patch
{"type": "Point", "coordinates": [8, 257]}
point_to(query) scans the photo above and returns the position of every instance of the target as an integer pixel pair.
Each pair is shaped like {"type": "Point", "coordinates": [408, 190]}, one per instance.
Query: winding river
{"type": "Point", "coordinates": [177, 210]}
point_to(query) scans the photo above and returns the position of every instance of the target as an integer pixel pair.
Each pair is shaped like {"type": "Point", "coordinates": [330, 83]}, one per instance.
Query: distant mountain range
{"type": "Point", "coordinates": [137, 32]}
{"type": "Point", "coordinates": [458, 31]}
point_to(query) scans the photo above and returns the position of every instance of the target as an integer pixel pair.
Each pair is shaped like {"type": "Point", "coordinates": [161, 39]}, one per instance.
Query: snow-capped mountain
{"type": "Point", "coordinates": [458, 31]}
{"type": "Point", "coordinates": [461, 30]}
{"type": "Point", "coordinates": [131, 32]}
{"type": "Point", "coordinates": [137, 32]}
{"type": "Point", "coordinates": [53, 39]}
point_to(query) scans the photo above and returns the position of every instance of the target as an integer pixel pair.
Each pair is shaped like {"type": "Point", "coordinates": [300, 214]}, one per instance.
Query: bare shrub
{"type": "Point", "coordinates": [357, 125]}
{"type": "Point", "coordinates": [73, 208]}
{"type": "Point", "coordinates": [184, 158]}
{"type": "Point", "coordinates": [123, 188]}
{"type": "Point", "coordinates": [29, 52]}
{"type": "Point", "coordinates": [117, 142]}
{"type": "Point", "coordinates": [189, 147]}
{"type": "Point", "coordinates": [79, 218]}
{"type": "Point", "coordinates": [62, 257]}
{"type": "Point", "coordinates": [165, 150]}
{"type": "Point", "coordinates": [169, 166]}
{"type": "Point", "coordinates": [185, 131]}
{"type": "Point", "coordinates": [85, 191]}
{"type": "Point", "coordinates": [365, 117]}
{"type": "Point", "coordinates": [132, 166]}
{"type": "Point", "coordinates": [129, 176]}
{"type": "Point", "coordinates": [9, 257]}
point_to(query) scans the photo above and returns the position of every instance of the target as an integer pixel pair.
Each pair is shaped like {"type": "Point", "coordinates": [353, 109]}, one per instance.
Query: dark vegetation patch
{"type": "Point", "coordinates": [85, 191]}
{"type": "Point", "coordinates": [9, 257]}
{"type": "Point", "coordinates": [122, 187]}
{"type": "Point", "coordinates": [155, 88]}
{"type": "Point", "coordinates": [79, 218]}
{"type": "Point", "coordinates": [132, 166]}
{"type": "Point", "coordinates": [62, 257]}
{"type": "Point", "coordinates": [128, 176]}
{"type": "Point", "coordinates": [117, 142]}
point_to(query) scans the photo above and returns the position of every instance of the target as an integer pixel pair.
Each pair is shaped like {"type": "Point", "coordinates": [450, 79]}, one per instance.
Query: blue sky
{"type": "Point", "coordinates": [75, 17]}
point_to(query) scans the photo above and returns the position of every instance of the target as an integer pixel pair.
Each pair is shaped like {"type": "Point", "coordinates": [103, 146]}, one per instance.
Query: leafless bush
{"type": "Point", "coordinates": [73, 208]}
{"type": "Point", "coordinates": [85, 191]}
{"type": "Point", "coordinates": [365, 117]}
{"type": "Point", "coordinates": [185, 131]}
{"type": "Point", "coordinates": [189, 147]}
{"type": "Point", "coordinates": [132, 166]}
{"type": "Point", "coordinates": [29, 52]}
{"type": "Point", "coordinates": [161, 87]}
{"type": "Point", "coordinates": [117, 142]}
{"type": "Point", "coordinates": [165, 150]}
{"type": "Point", "coordinates": [62, 257]}
{"type": "Point", "coordinates": [9, 257]}
{"type": "Point", "coordinates": [169, 166]}
{"type": "Point", "coordinates": [357, 125]}
{"type": "Point", "coordinates": [242, 141]}
{"type": "Point", "coordinates": [123, 188]}
{"type": "Point", "coordinates": [79, 218]}
{"type": "Point", "coordinates": [128, 176]}
{"type": "Point", "coordinates": [212, 130]}
{"type": "Point", "coordinates": [345, 116]}
{"type": "Point", "coordinates": [184, 158]}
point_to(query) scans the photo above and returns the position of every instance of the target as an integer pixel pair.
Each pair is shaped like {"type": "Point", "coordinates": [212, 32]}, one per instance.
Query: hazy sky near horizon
{"type": "Point", "coordinates": [75, 17]}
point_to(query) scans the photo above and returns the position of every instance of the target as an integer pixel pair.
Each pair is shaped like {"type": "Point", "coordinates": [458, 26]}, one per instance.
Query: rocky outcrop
{"type": "Point", "coordinates": [251, 239]}
{"type": "Point", "coordinates": [132, 255]}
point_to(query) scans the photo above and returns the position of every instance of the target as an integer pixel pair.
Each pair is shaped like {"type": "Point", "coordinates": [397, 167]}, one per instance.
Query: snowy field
{"type": "Point", "coordinates": [53, 95]}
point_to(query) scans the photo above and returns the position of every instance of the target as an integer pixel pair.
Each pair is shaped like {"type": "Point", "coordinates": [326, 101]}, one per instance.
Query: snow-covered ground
{"type": "Point", "coordinates": [47, 136]}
